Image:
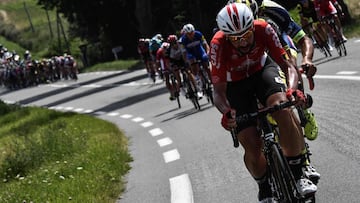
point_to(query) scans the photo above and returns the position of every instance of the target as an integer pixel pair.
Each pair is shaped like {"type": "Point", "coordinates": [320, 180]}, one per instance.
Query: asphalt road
{"type": "Point", "coordinates": [184, 155]}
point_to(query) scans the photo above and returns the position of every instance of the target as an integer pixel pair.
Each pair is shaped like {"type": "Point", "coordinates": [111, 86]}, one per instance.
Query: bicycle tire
{"type": "Point", "coordinates": [178, 101]}
{"type": "Point", "coordinates": [343, 48]}
{"type": "Point", "coordinates": [207, 86]}
{"type": "Point", "coordinates": [174, 84]}
{"type": "Point", "coordinates": [283, 179]}
{"type": "Point", "coordinates": [191, 93]}
{"type": "Point", "coordinates": [322, 45]}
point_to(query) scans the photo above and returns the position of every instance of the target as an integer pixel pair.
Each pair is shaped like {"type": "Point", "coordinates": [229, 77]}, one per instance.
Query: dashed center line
{"type": "Point", "coordinates": [164, 142]}
{"type": "Point", "coordinates": [181, 190]}
{"type": "Point", "coordinates": [113, 114]}
{"type": "Point", "coordinates": [137, 119]}
{"type": "Point", "coordinates": [171, 155]}
{"type": "Point", "coordinates": [146, 124]}
{"type": "Point", "coordinates": [126, 116]}
{"type": "Point", "coordinates": [156, 132]}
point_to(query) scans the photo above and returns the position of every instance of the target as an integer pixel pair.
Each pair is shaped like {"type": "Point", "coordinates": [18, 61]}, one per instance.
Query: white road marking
{"type": "Point", "coordinates": [338, 77]}
{"type": "Point", "coordinates": [88, 111]}
{"type": "Point", "coordinates": [69, 108]}
{"type": "Point", "coordinates": [164, 142]}
{"type": "Point", "coordinates": [92, 85]}
{"type": "Point", "coordinates": [137, 119]}
{"type": "Point", "coordinates": [126, 116]}
{"type": "Point", "coordinates": [156, 132]}
{"type": "Point", "coordinates": [113, 114]}
{"type": "Point", "coordinates": [357, 41]}
{"type": "Point", "coordinates": [171, 155]}
{"type": "Point", "coordinates": [100, 113]}
{"type": "Point", "coordinates": [78, 109]}
{"type": "Point", "coordinates": [346, 72]}
{"type": "Point", "coordinates": [146, 124]}
{"type": "Point", "coordinates": [181, 190]}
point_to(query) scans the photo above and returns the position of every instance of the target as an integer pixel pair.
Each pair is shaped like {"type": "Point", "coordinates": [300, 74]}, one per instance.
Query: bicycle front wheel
{"type": "Point", "coordinates": [282, 178]}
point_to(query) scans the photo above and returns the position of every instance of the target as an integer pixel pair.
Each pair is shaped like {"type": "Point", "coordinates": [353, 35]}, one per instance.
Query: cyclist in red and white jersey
{"type": "Point", "coordinates": [242, 74]}
{"type": "Point", "coordinates": [177, 57]}
{"type": "Point", "coordinates": [143, 50]}
{"type": "Point", "coordinates": [163, 62]}
{"type": "Point", "coordinates": [329, 8]}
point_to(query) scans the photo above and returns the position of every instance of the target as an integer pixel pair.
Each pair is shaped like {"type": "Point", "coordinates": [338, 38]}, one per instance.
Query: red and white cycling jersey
{"type": "Point", "coordinates": [325, 7]}
{"type": "Point", "coordinates": [163, 58]}
{"type": "Point", "coordinates": [228, 64]}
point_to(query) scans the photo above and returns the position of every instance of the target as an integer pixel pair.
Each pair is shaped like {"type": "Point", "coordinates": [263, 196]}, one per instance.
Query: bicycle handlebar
{"type": "Point", "coordinates": [261, 112]}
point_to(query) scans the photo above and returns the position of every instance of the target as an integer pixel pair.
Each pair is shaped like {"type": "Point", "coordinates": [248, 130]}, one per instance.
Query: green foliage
{"type": "Point", "coordinates": [114, 65]}
{"type": "Point", "coordinates": [17, 29]}
{"type": "Point", "coordinates": [50, 156]}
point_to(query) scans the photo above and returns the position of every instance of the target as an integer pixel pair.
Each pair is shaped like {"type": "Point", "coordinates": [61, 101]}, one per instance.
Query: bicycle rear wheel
{"type": "Point", "coordinates": [207, 89]}
{"type": "Point", "coordinates": [191, 93]}
{"type": "Point", "coordinates": [175, 85]}
{"type": "Point", "coordinates": [342, 48]}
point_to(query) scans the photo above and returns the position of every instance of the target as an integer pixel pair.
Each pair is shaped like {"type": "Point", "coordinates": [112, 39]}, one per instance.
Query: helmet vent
{"type": "Point", "coordinates": [236, 23]}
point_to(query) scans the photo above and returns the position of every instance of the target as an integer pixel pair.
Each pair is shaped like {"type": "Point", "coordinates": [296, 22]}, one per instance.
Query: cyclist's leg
{"type": "Point", "coordinates": [206, 65]}
{"type": "Point", "coordinates": [244, 101]}
{"type": "Point", "coordinates": [335, 15]}
{"type": "Point", "coordinates": [153, 65]}
{"type": "Point", "coordinates": [196, 78]}
{"type": "Point", "coordinates": [168, 84]}
{"type": "Point", "coordinates": [291, 138]}
{"type": "Point", "coordinates": [177, 78]}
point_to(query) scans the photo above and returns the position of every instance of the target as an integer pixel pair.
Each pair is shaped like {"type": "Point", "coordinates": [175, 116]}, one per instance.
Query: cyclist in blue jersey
{"type": "Point", "coordinates": [197, 49]}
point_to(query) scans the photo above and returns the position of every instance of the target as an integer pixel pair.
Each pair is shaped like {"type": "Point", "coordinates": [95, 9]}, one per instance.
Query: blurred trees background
{"type": "Point", "coordinates": [106, 24]}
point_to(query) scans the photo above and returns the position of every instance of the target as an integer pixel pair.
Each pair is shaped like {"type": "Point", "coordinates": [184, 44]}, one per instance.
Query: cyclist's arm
{"type": "Point", "coordinates": [220, 99]}
{"type": "Point", "coordinates": [206, 45]}
{"type": "Point", "coordinates": [307, 50]}
{"type": "Point", "coordinates": [280, 56]}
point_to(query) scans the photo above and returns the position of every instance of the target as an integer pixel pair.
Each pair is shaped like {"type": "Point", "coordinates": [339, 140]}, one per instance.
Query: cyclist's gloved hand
{"type": "Point", "coordinates": [228, 119]}
{"type": "Point", "coordinates": [296, 95]}
{"type": "Point", "coordinates": [309, 69]}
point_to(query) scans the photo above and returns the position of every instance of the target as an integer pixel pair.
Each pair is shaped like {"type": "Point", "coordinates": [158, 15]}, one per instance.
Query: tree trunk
{"type": "Point", "coordinates": [144, 17]}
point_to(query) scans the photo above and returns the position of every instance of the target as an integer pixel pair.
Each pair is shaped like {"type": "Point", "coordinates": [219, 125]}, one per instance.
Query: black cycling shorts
{"type": "Point", "coordinates": [244, 94]}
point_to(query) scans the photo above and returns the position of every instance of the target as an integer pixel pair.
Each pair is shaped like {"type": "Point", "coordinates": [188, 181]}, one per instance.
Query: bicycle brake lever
{"type": "Point", "coordinates": [233, 133]}
{"type": "Point", "coordinates": [234, 137]}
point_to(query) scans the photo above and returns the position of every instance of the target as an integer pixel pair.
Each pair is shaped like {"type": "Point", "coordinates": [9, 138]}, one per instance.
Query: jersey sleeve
{"type": "Point", "coordinates": [276, 50]}
{"type": "Point", "coordinates": [218, 71]}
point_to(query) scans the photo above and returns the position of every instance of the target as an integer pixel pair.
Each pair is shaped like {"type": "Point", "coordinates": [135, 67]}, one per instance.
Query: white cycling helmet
{"type": "Point", "coordinates": [165, 45]}
{"type": "Point", "coordinates": [188, 28]}
{"type": "Point", "coordinates": [235, 18]}
{"type": "Point", "coordinates": [252, 4]}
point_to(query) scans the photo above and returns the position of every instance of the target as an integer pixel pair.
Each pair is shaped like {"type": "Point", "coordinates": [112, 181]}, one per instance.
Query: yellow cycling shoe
{"type": "Point", "coordinates": [311, 127]}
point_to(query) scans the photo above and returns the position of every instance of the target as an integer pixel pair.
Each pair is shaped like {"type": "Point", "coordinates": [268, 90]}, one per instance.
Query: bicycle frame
{"type": "Point", "coordinates": [283, 182]}
{"type": "Point", "coordinates": [190, 89]}
{"type": "Point", "coordinates": [335, 32]}
{"type": "Point", "coordinates": [207, 88]}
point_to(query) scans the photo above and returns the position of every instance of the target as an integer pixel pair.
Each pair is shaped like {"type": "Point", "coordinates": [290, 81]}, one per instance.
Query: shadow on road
{"type": "Point", "coordinates": [132, 100]}
{"type": "Point", "coordinates": [86, 93]}
{"type": "Point", "coordinates": [184, 113]}
{"type": "Point", "coordinates": [325, 60]}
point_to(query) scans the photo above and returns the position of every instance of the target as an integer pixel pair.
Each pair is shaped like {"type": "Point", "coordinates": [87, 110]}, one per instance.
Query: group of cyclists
{"type": "Point", "coordinates": [313, 17]}
{"type": "Point", "coordinates": [177, 55]}
{"type": "Point", "coordinates": [252, 60]}
{"type": "Point", "coordinates": [23, 71]}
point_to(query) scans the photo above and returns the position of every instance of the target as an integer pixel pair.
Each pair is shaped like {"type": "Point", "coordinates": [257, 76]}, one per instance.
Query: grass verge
{"type": "Point", "coordinates": [50, 156]}
{"type": "Point", "coordinates": [114, 65]}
